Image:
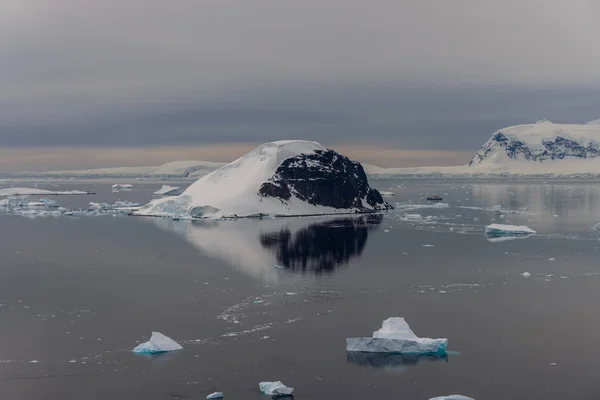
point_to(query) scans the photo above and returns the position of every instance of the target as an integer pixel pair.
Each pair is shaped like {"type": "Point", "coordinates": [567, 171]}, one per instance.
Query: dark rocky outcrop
{"type": "Point", "coordinates": [324, 178]}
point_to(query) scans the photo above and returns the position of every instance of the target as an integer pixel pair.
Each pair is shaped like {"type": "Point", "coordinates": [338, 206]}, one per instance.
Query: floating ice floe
{"type": "Point", "coordinates": [526, 274]}
{"type": "Point", "coordinates": [168, 190]}
{"type": "Point", "coordinates": [383, 193]}
{"type": "Point", "coordinates": [395, 336]}
{"type": "Point", "coordinates": [15, 191]}
{"type": "Point", "coordinates": [215, 395]}
{"type": "Point", "coordinates": [452, 397]}
{"type": "Point", "coordinates": [158, 343]}
{"type": "Point", "coordinates": [122, 186]}
{"type": "Point", "coordinates": [275, 389]}
{"type": "Point", "coordinates": [508, 230]}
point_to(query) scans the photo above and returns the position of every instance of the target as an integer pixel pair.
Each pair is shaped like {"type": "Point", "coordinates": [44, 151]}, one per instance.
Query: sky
{"type": "Point", "coordinates": [395, 83]}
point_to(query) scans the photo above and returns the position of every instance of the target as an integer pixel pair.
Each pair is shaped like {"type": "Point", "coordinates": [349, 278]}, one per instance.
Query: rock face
{"type": "Point", "coordinates": [541, 142]}
{"type": "Point", "coordinates": [324, 178]}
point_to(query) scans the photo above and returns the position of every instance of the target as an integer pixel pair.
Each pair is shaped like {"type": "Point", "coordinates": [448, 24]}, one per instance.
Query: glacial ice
{"type": "Point", "coordinates": [215, 395]}
{"type": "Point", "coordinates": [168, 190]}
{"type": "Point", "coordinates": [508, 230]}
{"type": "Point", "coordinates": [452, 397]}
{"type": "Point", "coordinates": [395, 336]}
{"type": "Point", "coordinates": [275, 389]}
{"type": "Point", "coordinates": [158, 343]}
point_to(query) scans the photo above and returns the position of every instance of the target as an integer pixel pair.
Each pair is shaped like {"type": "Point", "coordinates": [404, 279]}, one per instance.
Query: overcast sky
{"type": "Point", "coordinates": [431, 78]}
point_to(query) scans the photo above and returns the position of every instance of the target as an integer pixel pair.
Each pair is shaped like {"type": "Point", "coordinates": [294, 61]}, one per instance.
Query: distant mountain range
{"type": "Point", "coordinates": [543, 148]}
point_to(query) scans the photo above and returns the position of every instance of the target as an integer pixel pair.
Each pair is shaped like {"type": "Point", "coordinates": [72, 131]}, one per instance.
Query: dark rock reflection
{"type": "Point", "coordinates": [323, 246]}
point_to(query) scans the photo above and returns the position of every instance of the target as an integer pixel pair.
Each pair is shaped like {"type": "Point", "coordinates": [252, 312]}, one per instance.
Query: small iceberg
{"type": "Point", "coordinates": [158, 343]}
{"type": "Point", "coordinates": [168, 190]}
{"type": "Point", "coordinates": [122, 186]}
{"type": "Point", "coordinates": [215, 395]}
{"type": "Point", "coordinates": [508, 230]}
{"type": "Point", "coordinates": [395, 336]}
{"type": "Point", "coordinates": [452, 397]}
{"type": "Point", "coordinates": [275, 389]}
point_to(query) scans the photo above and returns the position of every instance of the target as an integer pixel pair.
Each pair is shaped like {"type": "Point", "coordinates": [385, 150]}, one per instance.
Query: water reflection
{"type": "Point", "coordinates": [322, 246]}
{"type": "Point", "coordinates": [256, 247]}
{"type": "Point", "coordinates": [393, 362]}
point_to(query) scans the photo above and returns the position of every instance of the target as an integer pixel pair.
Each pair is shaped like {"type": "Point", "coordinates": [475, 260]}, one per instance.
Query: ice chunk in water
{"type": "Point", "coordinates": [215, 395]}
{"type": "Point", "coordinates": [158, 343]}
{"type": "Point", "coordinates": [509, 230]}
{"type": "Point", "coordinates": [452, 397]}
{"type": "Point", "coordinates": [275, 389]}
{"type": "Point", "coordinates": [395, 336]}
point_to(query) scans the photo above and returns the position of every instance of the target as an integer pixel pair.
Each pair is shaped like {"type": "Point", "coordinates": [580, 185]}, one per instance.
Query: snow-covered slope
{"type": "Point", "coordinates": [543, 148]}
{"type": "Point", "coordinates": [282, 178]}
{"type": "Point", "coordinates": [175, 169]}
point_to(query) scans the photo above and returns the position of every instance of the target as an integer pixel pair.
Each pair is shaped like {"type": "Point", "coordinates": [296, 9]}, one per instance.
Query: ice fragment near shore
{"type": "Point", "coordinates": [395, 336]}
{"type": "Point", "coordinates": [158, 343]}
{"type": "Point", "coordinates": [508, 230]}
{"type": "Point", "coordinates": [275, 389]}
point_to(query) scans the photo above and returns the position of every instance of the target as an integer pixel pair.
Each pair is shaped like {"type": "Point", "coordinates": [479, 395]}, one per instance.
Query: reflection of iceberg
{"type": "Point", "coordinates": [256, 246]}
{"type": "Point", "coordinates": [505, 238]}
{"type": "Point", "coordinates": [393, 361]}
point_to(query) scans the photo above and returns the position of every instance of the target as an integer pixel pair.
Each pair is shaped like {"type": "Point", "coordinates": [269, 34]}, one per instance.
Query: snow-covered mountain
{"type": "Point", "coordinates": [539, 143]}
{"type": "Point", "coordinates": [543, 148]}
{"type": "Point", "coordinates": [283, 178]}
{"type": "Point", "coordinates": [174, 169]}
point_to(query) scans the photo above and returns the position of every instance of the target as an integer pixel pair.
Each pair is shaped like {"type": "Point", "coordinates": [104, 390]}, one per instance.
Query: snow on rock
{"type": "Point", "coordinates": [452, 397]}
{"type": "Point", "coordinates": [508, 230]}
{"type": "Point", "coordinates": [292, 177]}
{"type": "Point", "coordinates": [16, 191]}
{"type": "Point", "coordinates": [395, 336]}
{"type": "Point", "coordinates": [158, 343]}
{"type": "Point", "coordinates": [168, 190]}
{"type": "Point", "coordinates": [275, 389]}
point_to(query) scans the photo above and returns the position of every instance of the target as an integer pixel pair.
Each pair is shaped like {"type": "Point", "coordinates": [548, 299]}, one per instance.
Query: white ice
{"type": "Point", "coordinates": [395, 336]}
{"type": "Point", "coordinates": [158, 343]}
{"type": "Point", "coordinates": [275, 389]}
{"type": "Point", "coordinates": [500, 229]}
{"type": "Point", "coordinates": [452, 397]}
{"type": "Point", "coordinates": [15, 191]}
{"type": "Point", "coordinates": [122, 186]}
{"type": "Point", "coordinates": [215, 395]}
{"type": "Point", "coordinates": [167, 190]}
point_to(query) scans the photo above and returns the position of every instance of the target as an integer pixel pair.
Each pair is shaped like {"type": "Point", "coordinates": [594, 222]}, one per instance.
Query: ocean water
{"type": "Point", "coordinates": [274, 299]}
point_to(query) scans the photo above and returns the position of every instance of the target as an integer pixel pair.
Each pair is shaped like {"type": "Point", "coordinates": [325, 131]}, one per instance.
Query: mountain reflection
{"type": "Point", "coordinates": [321, 247]}
{"type": "Point", "coordinates": [256, 247]}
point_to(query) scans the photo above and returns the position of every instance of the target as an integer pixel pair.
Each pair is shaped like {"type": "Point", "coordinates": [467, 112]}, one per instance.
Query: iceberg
{"type": "Point", "coordinates": [395, 336]}
{"type": "Point", "coordinates": [168, 190]}
{"type": "Point", "coordinates": [215, 395]}
{"type": "Point", "coordinates": [452, 397]}
{"type": "Point", "coordinates": [508, 230]}
{"type": "Point", "coordinates": [122, 186]}
{"type": "Point", "coordinates": [275, 389]}
{"type": "Point", "coordinates": [15, 191]}
{"type": "Point", "coordinates": [158, 343]}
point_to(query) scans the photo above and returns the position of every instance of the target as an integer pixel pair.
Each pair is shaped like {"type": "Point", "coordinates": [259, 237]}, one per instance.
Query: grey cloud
{"type": "Point", "coordinates": [425, 74]}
